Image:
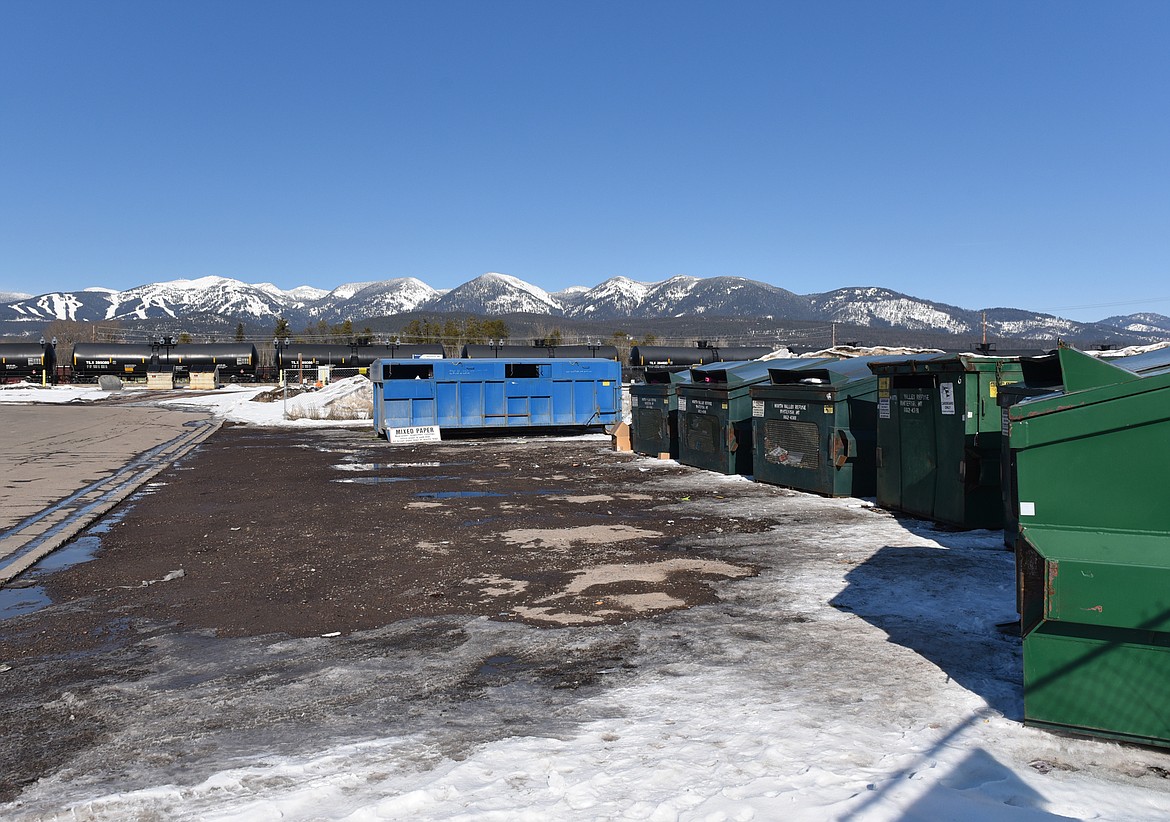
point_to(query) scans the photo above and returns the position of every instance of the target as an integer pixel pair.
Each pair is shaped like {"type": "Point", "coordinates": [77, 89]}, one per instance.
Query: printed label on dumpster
{"type": "Point", "coordinates": [884, 408]}
{"type": "Point", "coordinates": [1027, 509]}
{"type": "Point", "coordinates": [912, 403]}
{"type": "Point", "coordinates": [790, 411]}
{"type": "Point", "coordinates": [419, 433]}
{"type": "Point", "coordinates": [946, 397]}
{"type": "Point", "coordinates": [883, 387]}
{"type": "Point", "coordinates": [633, 402]}
{"type": "Point", "coordinates": [682, 403]}
{"type": "Point", "coordinates": [1005, 422]}
{"type": "Point", "coordinates": [757, 408]}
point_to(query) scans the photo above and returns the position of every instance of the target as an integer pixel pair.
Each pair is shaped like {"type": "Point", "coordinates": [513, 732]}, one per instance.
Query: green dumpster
{"type": "Point", "coordinates": [938, 437]}
{"type": "Point", "coordinates": [1093, 554]}
{"type": "Point", "coordinates": [815, 429]}
{"type": "Point", "coordinates": [654, 412]}
{"type": "Point", "coordinates": [1043, 375]}
{"type": "Point", "coordinates": [715, 413]}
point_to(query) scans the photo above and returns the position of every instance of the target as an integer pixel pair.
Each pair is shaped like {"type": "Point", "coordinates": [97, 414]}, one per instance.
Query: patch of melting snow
{"type": "Point", "coordinates": [381, 466]}
{"type": "Point", "coordinates": [564, 538]}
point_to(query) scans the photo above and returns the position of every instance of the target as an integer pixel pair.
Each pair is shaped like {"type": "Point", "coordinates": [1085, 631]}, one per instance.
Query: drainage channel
{"type": "Point", "coordinates": [23, 545]}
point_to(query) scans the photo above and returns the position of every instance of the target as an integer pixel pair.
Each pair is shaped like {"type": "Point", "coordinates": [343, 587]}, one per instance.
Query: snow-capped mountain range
{"type": "Point", "coordinates": [614, 299]}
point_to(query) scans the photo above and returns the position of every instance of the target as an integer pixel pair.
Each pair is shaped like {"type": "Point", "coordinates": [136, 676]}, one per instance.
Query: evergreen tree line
{"type": "Point", "coordinates": [453, 332]}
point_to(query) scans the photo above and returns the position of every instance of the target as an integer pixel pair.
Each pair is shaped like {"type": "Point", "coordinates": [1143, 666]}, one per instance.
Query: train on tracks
{"type": "Point", "coordinates": [240, 361]}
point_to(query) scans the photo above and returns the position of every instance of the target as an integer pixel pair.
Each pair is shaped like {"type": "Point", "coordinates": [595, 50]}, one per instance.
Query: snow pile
{"type": "Point", "coordinates": [779, 354]}
{"type": "Point", "coordinates": [347, 401]}
{"type": "Point", "coordinates": [351, 398]}
{"type": "Point", "coordinates": [1129, 351]}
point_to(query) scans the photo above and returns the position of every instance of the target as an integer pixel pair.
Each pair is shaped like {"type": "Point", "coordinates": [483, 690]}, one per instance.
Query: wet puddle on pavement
{"type": "Point", "coordinates": [24, 596]}
{"type": "Point", "coordinates": [456, 494]}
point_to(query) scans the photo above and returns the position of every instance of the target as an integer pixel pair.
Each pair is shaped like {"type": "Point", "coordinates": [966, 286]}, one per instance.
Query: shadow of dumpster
{"type": "Point", "coordinates": [953, 604]}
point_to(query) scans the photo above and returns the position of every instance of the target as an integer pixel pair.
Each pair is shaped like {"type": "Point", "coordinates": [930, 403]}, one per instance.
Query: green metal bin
{"type": "Point", "coordinates": [1093, 554]}
{"type": "Point", "coordinates": [1043, 375]}
{"type": "Point", "coordinates": [815, 429]}
{"type": "Point", "coordinates": [938, 437]}
{"type": "Point", "coordinates": [715, 413]}
{"type": "Point", "coordinates": [654, 412]}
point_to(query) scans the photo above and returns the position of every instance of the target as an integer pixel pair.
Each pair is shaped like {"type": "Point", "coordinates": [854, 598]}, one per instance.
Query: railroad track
{"type": "Point", "coordinates": [34, 537]}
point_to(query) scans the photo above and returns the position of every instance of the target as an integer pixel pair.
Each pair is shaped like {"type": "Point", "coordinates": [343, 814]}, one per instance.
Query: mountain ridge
{"type": "Point", "coordinates": [615, 299]}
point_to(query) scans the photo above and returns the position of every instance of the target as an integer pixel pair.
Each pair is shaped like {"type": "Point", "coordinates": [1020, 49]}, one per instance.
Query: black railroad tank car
{"type": "Point", "coordinates": [556, 352]}
{"type": "Point", "coordinates": [235, 362]}
{"type": "Point", "coordinates": [404, 351]}
{"type": "Point", "coordinates": [584, 352]}
{"type": "Point", "coordinates": [504, 352]}
{"type": "Point", "coordinates": [125, 360]}
{"type": "Point", "coordinates": [27, 361]}
{"type": "Point", "coordinates": [298, 355]}
{"type": "Point", "coordinates": [665, 355]}
{"type": "Point", "coordinates": [741, 353]}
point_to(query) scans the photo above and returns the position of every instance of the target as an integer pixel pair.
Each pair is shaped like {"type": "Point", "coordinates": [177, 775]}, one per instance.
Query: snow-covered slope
{"type": "Point", "coordinates": [494, 293]}
{"type": "Point", "coordinates": [1140, 323]}
{"type": "Point", "coordinates": [740, 297]}
{"type": "Point", "coordinates": [883, 307]}
{"type": "Point", "coordinates": [301, 294]}
{"type": "Point", "coordinates": [616, 297]}
{"type": "Point", "coordinates": [218, 295]}
{"type": "Point", "coordinates": [385, 298]}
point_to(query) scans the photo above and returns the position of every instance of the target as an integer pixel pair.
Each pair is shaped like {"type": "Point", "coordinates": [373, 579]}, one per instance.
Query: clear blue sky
{"type": "Point", "coordinates": [975, 153]}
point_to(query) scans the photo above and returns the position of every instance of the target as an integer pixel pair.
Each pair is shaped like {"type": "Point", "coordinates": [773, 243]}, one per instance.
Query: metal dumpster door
{"type": "Point", "coordinates": [917, 448]}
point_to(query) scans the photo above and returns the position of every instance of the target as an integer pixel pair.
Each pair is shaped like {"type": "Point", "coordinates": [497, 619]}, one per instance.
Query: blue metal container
{"type": "Point", "coordinates": [495, 393]}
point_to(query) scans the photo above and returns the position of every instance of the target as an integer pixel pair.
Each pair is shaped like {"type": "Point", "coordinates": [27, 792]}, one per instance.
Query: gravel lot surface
{"type": "Point", "coordinates": [279, 534]}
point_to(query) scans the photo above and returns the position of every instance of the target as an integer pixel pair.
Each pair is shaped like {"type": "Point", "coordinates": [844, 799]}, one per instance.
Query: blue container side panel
{"type": "Point", "coordinates": [540, 411]}
{"type": "Point", "coordinates": [481, 394]}
{"type": "Point", "coordinates": [494, 402]}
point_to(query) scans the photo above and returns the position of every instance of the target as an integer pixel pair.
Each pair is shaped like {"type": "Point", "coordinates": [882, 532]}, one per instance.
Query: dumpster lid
{"type": "Point", "coordinates": [924, 363]}
{"type": "Point", "coordinates": [833, 372]}
{"type": "Point", "coordinates": [1079, 371]}
{"type": "Point", "coordinates": [753, 371]}
{"type": "Point", "coordinates": [667, 376]}
{"type": "Point", "coordinates": [1095, 382]}
{"type": "Point", "coordinates": [1144, 363]}
{"type": "Point", "coordinates": [1151, 550]}
{"type": "Point", "coordinates": [730, 373]}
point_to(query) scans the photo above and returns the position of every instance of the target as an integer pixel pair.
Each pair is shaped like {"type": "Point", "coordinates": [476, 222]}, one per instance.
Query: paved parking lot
{"type": "Point", "coordinates": [66, 465]}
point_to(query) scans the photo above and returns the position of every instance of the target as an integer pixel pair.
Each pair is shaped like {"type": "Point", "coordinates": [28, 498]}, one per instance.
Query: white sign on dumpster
{"type": "Point", "coordinates": [418, 433]}
{"type": "Point", "coordinates": [946, 397]}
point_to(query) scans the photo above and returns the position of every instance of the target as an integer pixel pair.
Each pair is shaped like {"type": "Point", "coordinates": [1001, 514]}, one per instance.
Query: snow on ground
{"type": "Point", "coordinates": [25, 392]}
{"type": "Point", "coordinates": [860, 676]}
{"type": "Point", "coordinates": [348, 401]}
